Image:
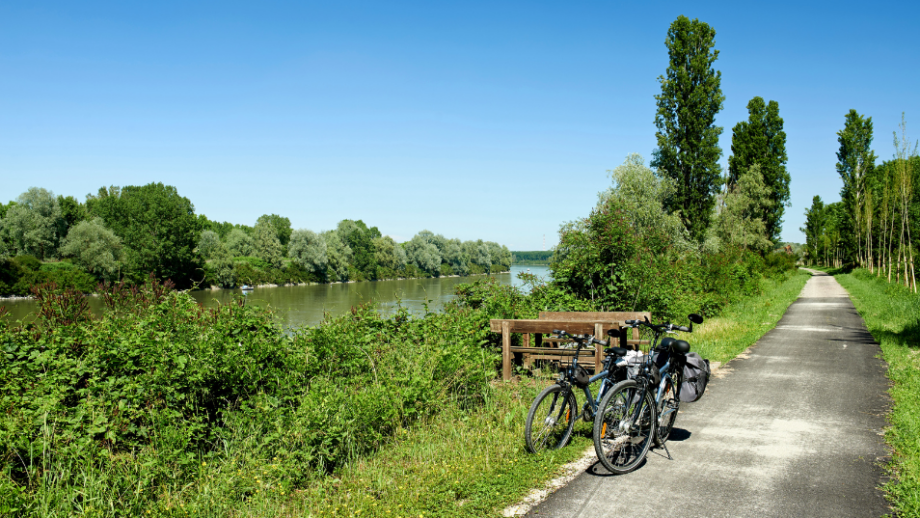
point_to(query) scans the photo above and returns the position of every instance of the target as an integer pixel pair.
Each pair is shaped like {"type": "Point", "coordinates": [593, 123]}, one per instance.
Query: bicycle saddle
{"type": "Point", "coordinates": [616, 351]}
{"type": "Point", "coordinates": [680, 346]}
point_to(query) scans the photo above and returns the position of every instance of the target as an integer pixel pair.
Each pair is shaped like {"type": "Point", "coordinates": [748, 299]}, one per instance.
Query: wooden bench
{"type": "Point", "coordinates": [596, 324]}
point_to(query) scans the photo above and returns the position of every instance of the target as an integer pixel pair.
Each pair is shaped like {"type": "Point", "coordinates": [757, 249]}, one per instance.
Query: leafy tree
{"type": "Point", "coordinates": [814, 229]}
{"type": "Point", "coordinates": [267, 246]}
{"type": "Point", "coordinates": [158, 228]}
{"type": "Point", "coordinates": [738, 223]}
{"type": "Point", "coordinates": [855, 161]}
{"type": "Point", "coordinates": [281, 226]}
{"type": "Point", "coordinates": [456, 258]}
{"type": "Point", "coordinates": [239, 243]}
{"type": "Point", "coordinates": [221, 266]}
{"type": "Point", "coordinates": [208, 243]}
{"type": "Point", "coordinates": [389, 254]}
{"type": "Point", "coordinates": [361, 241]}
{"type": "Point", "coordinates": [72, 211]}
{"type": "Point", "coordinates": [94, 248]}
{"type": "Point", "coordinates": [339, 256]}
{"type": "Point", "coordinates": [641, 195]}
{"type": "Point", "coordinates": [688, 139]}
{"type": "Point", "coordinates": [309, 250]}
{"type": "Point", "coordinates": [478, 253]}
{"type": "Point", "coordinates": [34, 225]}
{"type": "Point", "coordinates": [761, 140]}
{"type": "Point", "coordinates": [422, 252]}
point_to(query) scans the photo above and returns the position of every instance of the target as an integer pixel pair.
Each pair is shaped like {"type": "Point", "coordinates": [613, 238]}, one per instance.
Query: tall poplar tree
{"type": "Point", "coordinates": [855, 161]}
{"type": "Point", "coordinates": [761, 140]}
{"type": "Point", "coordinates": [688, 139]}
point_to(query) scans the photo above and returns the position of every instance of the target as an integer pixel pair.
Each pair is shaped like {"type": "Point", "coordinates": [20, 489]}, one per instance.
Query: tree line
{"type": "Point", "coordinates": [126, 233]}
{"type": "Point", "coordinates": [873, 226]}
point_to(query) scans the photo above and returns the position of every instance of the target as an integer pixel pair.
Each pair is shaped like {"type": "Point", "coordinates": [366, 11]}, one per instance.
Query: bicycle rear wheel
{"type": "Point", "coordinates": [621, 442]}
{"type": "Point", "coordinates": [667, 411]}
{"type": "Point", "coordinates": [551, 419]}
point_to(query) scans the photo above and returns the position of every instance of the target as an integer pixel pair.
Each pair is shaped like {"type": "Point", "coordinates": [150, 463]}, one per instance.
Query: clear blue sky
{"type": "Point", "coordinates": [492, 120]}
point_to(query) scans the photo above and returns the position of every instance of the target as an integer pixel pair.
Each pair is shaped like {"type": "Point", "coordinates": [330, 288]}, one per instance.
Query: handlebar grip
{"type": "Point", "coordinates": [558, 332]}
{"type": "Point", "coordinates": [602, 343]}
{"type": "Point", "coordinates": [630, 322]}
{"type": "Point", "coordinates": [684, 329]}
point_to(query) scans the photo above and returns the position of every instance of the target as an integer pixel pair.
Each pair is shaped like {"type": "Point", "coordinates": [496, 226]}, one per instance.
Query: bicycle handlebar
{"type": "Point", "coordinates": [582, 341]}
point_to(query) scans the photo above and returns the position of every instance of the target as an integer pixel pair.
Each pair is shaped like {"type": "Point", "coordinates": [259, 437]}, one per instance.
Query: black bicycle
{"type": "Point", "coordinates": [553, 414]}
{"type": "Point", "coordinates": [642, 409]}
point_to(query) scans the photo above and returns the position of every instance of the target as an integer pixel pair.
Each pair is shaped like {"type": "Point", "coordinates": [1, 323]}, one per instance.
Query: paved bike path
{"type": "Point", "coordinates": [793, 428]}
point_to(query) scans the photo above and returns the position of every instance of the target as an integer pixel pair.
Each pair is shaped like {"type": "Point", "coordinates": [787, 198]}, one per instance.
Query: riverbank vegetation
{"type": "Point", "coordinates": [123, 234]}
{"type": "Point", "coordinates": [892, 315]}
{"type": "Point", "coordinates": [538, 257]}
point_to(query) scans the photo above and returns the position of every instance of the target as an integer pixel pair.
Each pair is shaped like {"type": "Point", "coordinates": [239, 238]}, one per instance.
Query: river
{"type": "Point", "coordinates": [306, 305]}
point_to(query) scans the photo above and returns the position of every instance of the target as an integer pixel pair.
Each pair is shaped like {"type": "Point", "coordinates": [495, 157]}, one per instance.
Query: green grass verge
{"type": "Point", "coordinates": [892, 315]}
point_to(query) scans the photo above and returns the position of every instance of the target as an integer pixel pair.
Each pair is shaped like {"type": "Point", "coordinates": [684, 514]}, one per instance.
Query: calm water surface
{"type": "Point", "coordinates": [300, 305]}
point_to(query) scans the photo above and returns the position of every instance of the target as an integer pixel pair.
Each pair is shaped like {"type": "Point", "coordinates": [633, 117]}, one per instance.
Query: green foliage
{"type": "Point", "coordinates": [761, 140]}
{"type": "Point", "coordinates": [208, 243]}
{"type": "Point", "coordinates": [740, 223]}
{"type": "Point", "coordinates": [239, 243]}
{"type": "Point", "coordinates": [266, 245]}
{"type": "Point", "coordinates": [688, 139]}
{"type": "Point", "coordinates": [422, 251]}
{"type": "Point", "coordinates": [855, 162]}
{"type": "Point", "coordinates": [360, 240]}
{"type": "Point", "coordinates": [641, 195]}
{"type": "Point", "coordinates": [34, 225]}
{"type": "Point", "coordinates": [158, 228]}
{"type": "Point", "coordinates": [339, 256]}
{"type": "Point", "coordinates": [148, 399]}
{"type": "Point", "coordinates": [535, 257]}
{"type": "Point", "coordinates": [280, 225]}
{"type": "Point", "coordinates": [94, 247]}
{"type": "Point", "coordinates": [309, 250]}
{"type": "Point", "coordinates": [389, 255]}
{"type": "Point", "coordinates": [72, 211]}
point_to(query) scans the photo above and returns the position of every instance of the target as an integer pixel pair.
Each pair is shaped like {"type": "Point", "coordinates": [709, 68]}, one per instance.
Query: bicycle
{"type": "Point", "coordinates": [554, 409]}
{"type": "Point", "coordinates": [634, 414]}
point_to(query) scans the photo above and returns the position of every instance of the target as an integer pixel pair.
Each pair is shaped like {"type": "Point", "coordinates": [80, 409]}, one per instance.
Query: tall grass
{"type": "Point", "coordinates": [892, 315]}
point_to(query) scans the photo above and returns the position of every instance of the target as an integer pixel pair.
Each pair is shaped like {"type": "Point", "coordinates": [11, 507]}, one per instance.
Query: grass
{"type": "Point", "coordinates": [892, 315]}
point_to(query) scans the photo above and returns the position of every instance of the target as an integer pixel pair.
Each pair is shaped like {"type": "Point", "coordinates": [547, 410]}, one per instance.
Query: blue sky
{"type": "Point", "coordinates": [475, 120]}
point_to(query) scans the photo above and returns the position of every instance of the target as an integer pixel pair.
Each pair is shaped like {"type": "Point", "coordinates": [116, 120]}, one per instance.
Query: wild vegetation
{"type": "Point", "coordinates": [126, 233]}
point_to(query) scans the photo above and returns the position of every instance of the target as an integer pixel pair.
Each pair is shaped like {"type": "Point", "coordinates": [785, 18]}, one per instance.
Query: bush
{"type": "Point", "coordinates": [139, 400]}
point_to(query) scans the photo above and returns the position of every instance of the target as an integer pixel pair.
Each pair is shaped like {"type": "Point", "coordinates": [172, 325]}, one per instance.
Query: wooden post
{"type": "Point", "coordinates": [506, 351]}
{"type": "Point", "coordinates": [598, 350]}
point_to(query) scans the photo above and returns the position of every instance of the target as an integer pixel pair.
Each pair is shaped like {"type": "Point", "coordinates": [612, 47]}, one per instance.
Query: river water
{"type": "Point", "coordinates": [306, 305]}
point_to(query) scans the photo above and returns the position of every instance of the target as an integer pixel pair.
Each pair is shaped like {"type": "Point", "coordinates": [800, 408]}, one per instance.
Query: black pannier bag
{"type": "Point", "coordinates": [696, 376]}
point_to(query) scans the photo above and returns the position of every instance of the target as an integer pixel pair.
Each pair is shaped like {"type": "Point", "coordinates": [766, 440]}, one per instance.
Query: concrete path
{"type": "Point", "coordinates": [793, 428]}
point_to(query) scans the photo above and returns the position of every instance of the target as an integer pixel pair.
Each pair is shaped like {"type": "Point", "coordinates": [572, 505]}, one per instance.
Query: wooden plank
{"type": "Point", "coordinates": [598, 351]}
{"type": "Point", "coordinates": [506, 350]}
{"type": "Point", "coordinates": [547, 326]}
{"type": "Point", "coordinates": [551, 350]}
{"type": "Point", "coordinates": [593, 316]}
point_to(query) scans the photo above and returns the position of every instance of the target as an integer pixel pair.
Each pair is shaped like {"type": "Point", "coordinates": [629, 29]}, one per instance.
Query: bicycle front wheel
{"type": "Point", "coordinates": [624, 427]}
{"type": "Point", "coordinates": [667, 411]}
{"type": "Point", "coordinates": [551, 419]}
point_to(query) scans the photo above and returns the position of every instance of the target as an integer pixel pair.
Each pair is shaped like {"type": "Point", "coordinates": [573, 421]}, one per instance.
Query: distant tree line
{"type": "Point", "coordinates": [537, 257]}
{"type": "Point", "coordinates": [874, 225]}
{"type": "Point", "coordinates": [126, 233]}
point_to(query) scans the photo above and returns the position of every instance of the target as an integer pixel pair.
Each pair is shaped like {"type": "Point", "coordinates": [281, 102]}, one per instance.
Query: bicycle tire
{"type": "Point", "coordinates": [667, 411]}
{"type": "Point", "coordinates": [619, 449]}
{"type": "Point", "coordinates": [555, 411]}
